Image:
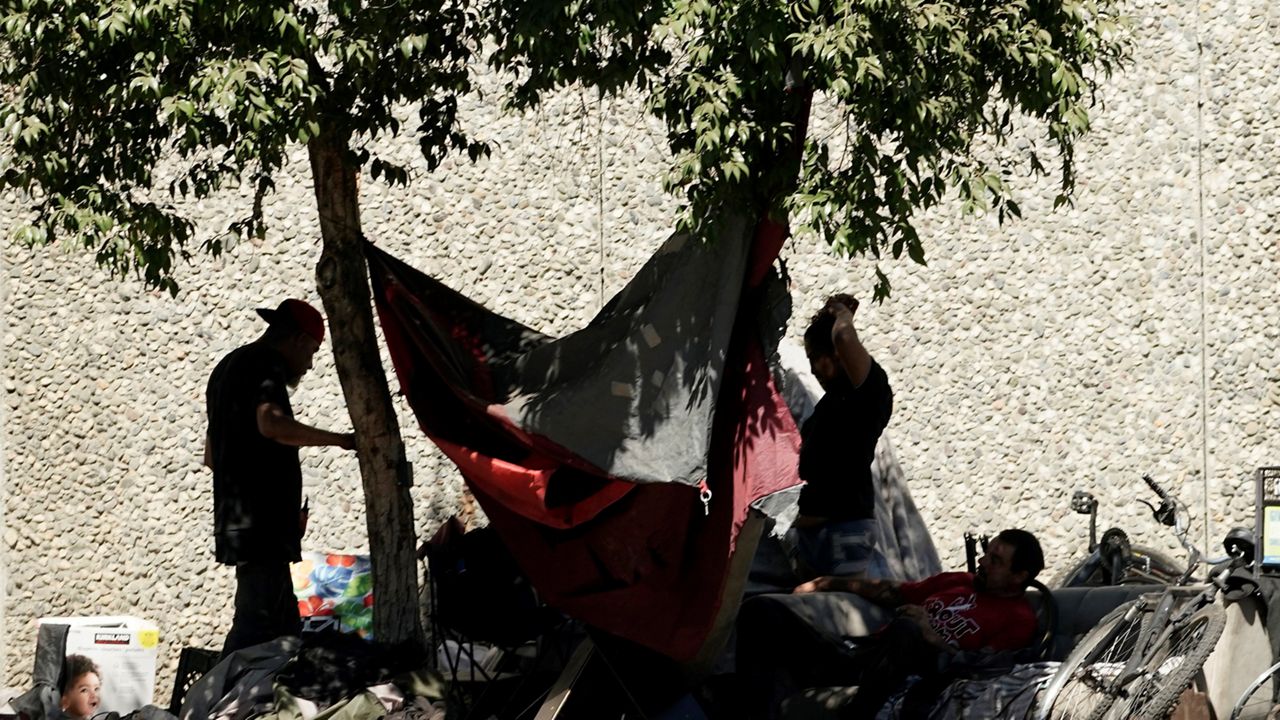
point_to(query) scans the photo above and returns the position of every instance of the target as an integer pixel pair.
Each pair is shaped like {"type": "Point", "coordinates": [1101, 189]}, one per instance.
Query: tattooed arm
{"type": "Point", "coordinates": [881, 592]}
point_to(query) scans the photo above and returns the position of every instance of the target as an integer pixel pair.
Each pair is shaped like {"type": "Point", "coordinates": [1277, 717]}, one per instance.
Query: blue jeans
{"type": "Point", "coordinates": [843, 547]}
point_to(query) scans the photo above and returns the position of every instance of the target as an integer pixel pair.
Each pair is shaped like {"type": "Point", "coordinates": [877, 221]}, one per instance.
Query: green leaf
{"type": "Point", "coordinates": [921, 88]}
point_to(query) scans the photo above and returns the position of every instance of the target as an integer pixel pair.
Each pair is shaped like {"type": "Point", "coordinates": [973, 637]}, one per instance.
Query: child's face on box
{"type": "Point", "coordinates": [81, 698]}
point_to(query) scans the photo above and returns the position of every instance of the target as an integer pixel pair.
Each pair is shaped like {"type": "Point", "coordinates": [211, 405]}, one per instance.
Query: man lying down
{"type": "Point", "coordinates": [803, 640]}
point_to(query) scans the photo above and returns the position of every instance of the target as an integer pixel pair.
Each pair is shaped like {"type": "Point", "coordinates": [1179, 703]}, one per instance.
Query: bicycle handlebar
{"type": "Point", "coordinates": [1167, 513]}
{"type": "Point", "coordinates": [1174, 514]}
{"type": "Point", "coordinates": [1155, 487]}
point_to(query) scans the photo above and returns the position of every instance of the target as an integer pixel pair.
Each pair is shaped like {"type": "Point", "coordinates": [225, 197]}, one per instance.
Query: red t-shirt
{"type": "Point", "coordinates": [972, 620]}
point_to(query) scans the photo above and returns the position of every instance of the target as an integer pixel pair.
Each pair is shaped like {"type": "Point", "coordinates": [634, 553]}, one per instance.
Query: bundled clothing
{"type": "Point", "coordinates": [327, 677]}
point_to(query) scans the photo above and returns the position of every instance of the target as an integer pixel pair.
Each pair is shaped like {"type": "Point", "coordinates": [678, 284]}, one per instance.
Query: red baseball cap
{"type": "Point", "coordinates": [298, 315]}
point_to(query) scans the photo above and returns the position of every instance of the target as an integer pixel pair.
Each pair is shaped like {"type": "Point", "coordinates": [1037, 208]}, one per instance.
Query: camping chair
{"type": "Point", "coordinates": [972, 543]}
{"type": "Point", "coordinates": [478, 598]}
{"type": "Point", "coordinates": [1045, 604]}
{"type": "Point", "coordinates": [41, 701]}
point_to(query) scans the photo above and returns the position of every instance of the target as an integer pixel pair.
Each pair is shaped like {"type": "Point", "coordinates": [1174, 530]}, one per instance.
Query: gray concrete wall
{"type": "Point", "coordinates": [1135, 332]}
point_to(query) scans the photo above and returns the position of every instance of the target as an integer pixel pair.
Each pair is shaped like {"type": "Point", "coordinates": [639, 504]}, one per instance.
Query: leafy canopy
{"type": "Point", "coordinates": [916, 82]}
{"type": "Point", "coordinates": [102, 94]}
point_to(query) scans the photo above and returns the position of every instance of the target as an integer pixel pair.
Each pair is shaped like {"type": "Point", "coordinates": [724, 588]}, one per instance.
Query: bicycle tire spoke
{"type": "Point", "coordinates": [1171, 666]}
{"type": "Point", "coordinates": [1088, 690]}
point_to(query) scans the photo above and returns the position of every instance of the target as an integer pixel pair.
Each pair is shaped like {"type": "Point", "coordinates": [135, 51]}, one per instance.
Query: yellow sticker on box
{"type": "Point", "coordinates": [148, 638]}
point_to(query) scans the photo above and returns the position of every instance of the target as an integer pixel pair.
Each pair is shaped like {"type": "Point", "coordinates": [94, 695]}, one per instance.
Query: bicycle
{"type": "Point", "coordinates": [1247, 699]}
{"type": "Point", "coordinates": [1142, 655]}
{"type": "Point", "coordinates": [1114, 560]}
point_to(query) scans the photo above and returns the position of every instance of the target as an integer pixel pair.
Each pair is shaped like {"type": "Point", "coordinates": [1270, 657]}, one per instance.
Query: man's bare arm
{"type": "Point", "coordinates": [853, 357]}
{"type": "Point", "coordinates": [881, 592]}
{"type": "Point", "coordinates": [275, 423]}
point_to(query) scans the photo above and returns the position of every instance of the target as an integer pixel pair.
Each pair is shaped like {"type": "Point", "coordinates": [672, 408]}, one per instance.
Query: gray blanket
{"type": "Point", "coordinates": [1011, 696]}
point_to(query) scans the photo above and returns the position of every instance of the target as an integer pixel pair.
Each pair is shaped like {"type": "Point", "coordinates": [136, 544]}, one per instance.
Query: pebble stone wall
{"type": "Point", "coordinates": [1135, 332]}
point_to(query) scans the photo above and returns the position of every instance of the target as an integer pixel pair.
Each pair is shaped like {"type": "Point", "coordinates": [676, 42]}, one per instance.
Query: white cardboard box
{"type": "Point", "coordinates": [124, 648]}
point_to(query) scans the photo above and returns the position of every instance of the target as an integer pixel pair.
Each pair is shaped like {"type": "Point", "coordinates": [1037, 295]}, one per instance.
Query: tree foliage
{"type": "Point", "coordinates": [104, 93]}
{"type": "Point", "coordinates": [917, 83]}
{"type": "Point", "coordinates": [106, 97]}
{"type": "Point", "coordinates": [114, 110]}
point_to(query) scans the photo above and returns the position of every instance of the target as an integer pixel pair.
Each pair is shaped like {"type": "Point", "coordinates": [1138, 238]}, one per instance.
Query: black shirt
{"type": "Point", "coordinates": [257, 482]}
{"type": "Point", "coordinates": [838, 445]}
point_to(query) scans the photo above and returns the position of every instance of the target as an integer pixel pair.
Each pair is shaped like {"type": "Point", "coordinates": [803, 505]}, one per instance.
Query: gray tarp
{"type": "Point", "coordinates": [634, 391]}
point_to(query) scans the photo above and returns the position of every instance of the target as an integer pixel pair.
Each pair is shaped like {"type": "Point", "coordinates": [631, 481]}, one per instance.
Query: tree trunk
{"type": "Point", "coordinates": [344, 287]}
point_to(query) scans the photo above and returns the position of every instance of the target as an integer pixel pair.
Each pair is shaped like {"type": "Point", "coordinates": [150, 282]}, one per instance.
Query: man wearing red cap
{"type": "Point", "coordinates": [252, 448]}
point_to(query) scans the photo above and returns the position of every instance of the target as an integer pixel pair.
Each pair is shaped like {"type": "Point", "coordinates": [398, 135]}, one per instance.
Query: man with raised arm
{"type": "Point", "coordinates": [252, 447]}
{"type": "Point", "coordinates": [835, 531]}
{"type": "Point", "coordinates": [790, 642]}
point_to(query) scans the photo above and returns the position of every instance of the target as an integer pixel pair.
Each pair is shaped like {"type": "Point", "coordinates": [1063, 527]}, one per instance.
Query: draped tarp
{"type": "Point", "coordinates": [617, 462]}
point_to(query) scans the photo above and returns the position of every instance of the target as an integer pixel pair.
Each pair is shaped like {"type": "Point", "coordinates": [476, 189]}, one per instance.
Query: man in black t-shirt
{"type": "Point", "coordinates": [835, 531]}
{"type": "Point", "coordinates": [252, 448]}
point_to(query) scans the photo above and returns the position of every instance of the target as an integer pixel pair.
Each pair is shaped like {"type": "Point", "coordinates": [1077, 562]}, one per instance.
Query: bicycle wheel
{"type": "Point", "coordinates": [1146, 566]}
{"type": "Point", "coordinates": [1149, 566]}
{"type": "Point", "coordinates": [1172, 666]}
{"type": "Point", "coordinates": [1253, 704]}
{"type": "Point", "coordinates": [1085, 572]}
{"type": "Point", "coordinates": [1078, 691]}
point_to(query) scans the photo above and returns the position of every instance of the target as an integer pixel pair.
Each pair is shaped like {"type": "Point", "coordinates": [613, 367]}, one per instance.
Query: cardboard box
{"type": "Point", "coordinates": [124, 648]}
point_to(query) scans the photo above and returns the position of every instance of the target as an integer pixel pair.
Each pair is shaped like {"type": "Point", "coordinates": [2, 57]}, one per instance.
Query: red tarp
{"type": "Point", "coordinates": [644, 561]}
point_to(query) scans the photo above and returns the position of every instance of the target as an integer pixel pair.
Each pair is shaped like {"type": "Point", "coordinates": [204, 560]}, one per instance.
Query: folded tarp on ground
{"type": "Point", "coordinates": [589, 452]}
